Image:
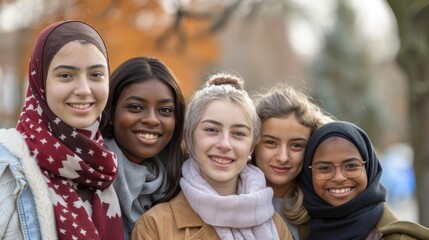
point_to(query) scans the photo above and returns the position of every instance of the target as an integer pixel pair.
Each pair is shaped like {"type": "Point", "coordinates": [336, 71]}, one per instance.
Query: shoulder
{"type": "Point", "coordinates": [393, 229]}
{"type": "Point", "coordinates": [177, 209]}
{"type": "Point", "coordinates": [155, 219]}
{"type": "Point", "coordinates": [171, 220]}
{"type": "Point", "coordinates": [149, 224]}
{"type": "Point", "coordinates": [281, 226]}
{"type": "Point", "coordinates": [13, 143]}
{"type": "Point", "coordinates": [11, 154]}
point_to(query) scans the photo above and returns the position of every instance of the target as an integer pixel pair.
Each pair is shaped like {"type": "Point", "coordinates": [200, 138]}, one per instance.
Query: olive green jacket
{"type": "Point", "coordinates": [387, 228]}
{"type": "Point", "coordinates": [393, 229]}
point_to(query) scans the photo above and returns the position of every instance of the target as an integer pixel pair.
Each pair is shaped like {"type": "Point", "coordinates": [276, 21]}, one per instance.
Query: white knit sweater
{"type": "Point", "coordinates": [14, 142]}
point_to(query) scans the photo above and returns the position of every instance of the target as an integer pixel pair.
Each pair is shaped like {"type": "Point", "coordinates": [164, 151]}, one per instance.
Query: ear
{"type": "Point", "coordinates": [251, 154]}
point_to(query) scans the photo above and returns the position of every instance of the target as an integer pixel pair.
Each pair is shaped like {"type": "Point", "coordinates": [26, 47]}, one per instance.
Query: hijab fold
{"type": "Point", "coordinates": [78, 171]}
{"type": "Point", "coordinates": [355, 218]}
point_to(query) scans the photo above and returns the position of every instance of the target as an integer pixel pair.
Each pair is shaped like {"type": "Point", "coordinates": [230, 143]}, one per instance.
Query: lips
{"type": "Point", "coordinates": [280, 169]}
{"type": "Point", "coordinates": [80, 105]}
{"type": "Point", "coordinates": [148, 136]}
{"type": "Point", "coordinates": [340, 190]}
{"type": "Point", "coordinates": [220, 160]}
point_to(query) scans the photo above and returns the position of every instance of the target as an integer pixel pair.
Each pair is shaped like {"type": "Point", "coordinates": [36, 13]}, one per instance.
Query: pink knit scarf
{"type": "Point", "coordinates": [247, 215]}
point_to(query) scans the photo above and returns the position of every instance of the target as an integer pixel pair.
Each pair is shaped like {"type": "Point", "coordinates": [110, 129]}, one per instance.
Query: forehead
{"type": "Point", "coordinates": [78, 53]}
{"type": "Point", "coordinates": [225, 110]}
{"type": "Point", "coordinates": [285, 127]}
{"type": "Point", "coordinates": [150, 88]}
{"type": "Point", "coordinates": [336, 149]}
{"type": "Point", "coordinates": [70, 48]}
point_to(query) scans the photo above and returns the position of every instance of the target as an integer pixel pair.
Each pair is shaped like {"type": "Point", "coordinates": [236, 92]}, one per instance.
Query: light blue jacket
{"type": "Point", "coordinates": [26, 211]}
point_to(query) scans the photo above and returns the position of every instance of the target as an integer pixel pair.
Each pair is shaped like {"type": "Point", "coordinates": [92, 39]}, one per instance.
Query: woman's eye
{"type": "Point", "coordinates": [324, 168]}
{"type": "Point", "coordinates": [134, 107]}
{"type": "Point", "coordinates": [297, 146]}
{"type": "Point", "coordinates": [64, 75]}
{"type": "Point", "coordinates": [270, 142]}
{"type": "Point", "coordinates": [166, 110]}
{"type": "Point", "coordinates": [97, 75]}
{"type": "Point", "coordinates": [210, 130]}
{"type": "Point", "coordinates": [351, 166]}
{"type": "Point", "coordinates": [238, 133]}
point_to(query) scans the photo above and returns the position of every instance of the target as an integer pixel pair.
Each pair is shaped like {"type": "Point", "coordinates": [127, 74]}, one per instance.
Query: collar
{"type": "Point", "coordinates": [184, 215]}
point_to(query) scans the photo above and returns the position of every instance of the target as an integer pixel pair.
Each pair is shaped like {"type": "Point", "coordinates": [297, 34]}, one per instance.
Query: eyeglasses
{"type": "Point", "coordinates": [349, 169]}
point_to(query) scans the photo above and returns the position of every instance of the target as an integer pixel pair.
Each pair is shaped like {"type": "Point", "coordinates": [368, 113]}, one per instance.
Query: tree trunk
{"type": "Point", "coordinates": [413, 25]}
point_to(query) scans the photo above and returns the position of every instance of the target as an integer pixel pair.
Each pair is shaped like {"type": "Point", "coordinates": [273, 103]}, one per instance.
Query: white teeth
{"type": "Point", "coordinates": [80, 106]}
{"type": "Point", "coordinates": [343, 190]}
{"type": "Point", "coordinates": [221, 160]}
{"type": "Point", "coordinates": [148, 136]}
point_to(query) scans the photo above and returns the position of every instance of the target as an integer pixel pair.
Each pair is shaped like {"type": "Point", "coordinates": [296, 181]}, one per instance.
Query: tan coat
{"type": "Point", "coordinates": [176, 220]}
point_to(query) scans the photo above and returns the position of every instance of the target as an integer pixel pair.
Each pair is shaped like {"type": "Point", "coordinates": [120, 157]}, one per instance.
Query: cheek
{"type": "Point", "coordinates": [363, 182]}
{"type": "Point", "coordinates": [318, 186]}
{"type": "Point", "coordinates": [170, 125]}
{"type": "Point", "coordinates": [55, 95]}
{"type": "Point", "coordinates": [298, 159]}
{"type": "Point", "coordinates": [261, 156]}
{"type": "Point", "coordinates": [102, 92]}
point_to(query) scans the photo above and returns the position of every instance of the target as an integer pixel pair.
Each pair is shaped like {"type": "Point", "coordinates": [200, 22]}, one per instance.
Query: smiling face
{"type": "Point", "coordinates": [338, 189]}
{"type": "Point", "coordinates": [280, 151]}
{"type": "Point", "coordinates": [222, 145]}
{"type": "Point", "coordinates": [77, 84]}
{"type": "Point", "coordinates": [144, 119]}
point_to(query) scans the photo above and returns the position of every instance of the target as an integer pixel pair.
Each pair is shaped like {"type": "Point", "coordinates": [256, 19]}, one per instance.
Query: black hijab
{"type": "Point", "coordinates": [356, 218]}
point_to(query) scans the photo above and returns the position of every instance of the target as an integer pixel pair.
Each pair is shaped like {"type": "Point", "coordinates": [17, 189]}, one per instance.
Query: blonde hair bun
{"type": "Point", "coordinates": [226, 79]}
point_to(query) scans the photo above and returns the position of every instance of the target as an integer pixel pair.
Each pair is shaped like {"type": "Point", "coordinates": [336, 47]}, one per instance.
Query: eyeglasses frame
{"type": "Point", "coordinates": [341, 170]}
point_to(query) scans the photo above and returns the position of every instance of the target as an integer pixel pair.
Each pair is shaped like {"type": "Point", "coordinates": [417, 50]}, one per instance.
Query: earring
{"type": "Point", "coordinates": [250, 157]}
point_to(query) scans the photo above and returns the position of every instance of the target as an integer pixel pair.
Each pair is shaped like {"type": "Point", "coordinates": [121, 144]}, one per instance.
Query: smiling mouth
{"type": "Point", "coordinates": [148, 136]}
{"type": "Point", "coordinates": [80, 106]}
{"type": "Point", "coordinates": [221, 160]}
{"type": "Point", "coordinates": [340, 191]}
{"type": "Point", "coordinates": [282, 169]}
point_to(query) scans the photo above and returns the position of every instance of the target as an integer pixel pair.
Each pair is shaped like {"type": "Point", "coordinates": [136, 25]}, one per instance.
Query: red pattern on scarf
{"type": "Point", "coordinates": [78, 170]}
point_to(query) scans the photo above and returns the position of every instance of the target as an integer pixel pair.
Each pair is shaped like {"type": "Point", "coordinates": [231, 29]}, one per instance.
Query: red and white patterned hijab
{"type": "Point", "coordinates": [79, 172]}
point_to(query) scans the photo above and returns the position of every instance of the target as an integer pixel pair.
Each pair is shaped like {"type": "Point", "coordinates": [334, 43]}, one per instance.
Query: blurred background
{"type": "Point", "coordinates": [363, 61]}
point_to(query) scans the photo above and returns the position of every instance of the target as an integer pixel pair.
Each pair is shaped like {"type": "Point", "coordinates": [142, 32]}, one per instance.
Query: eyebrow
{"type": "Point", "coordinates": [276, 138]}
{"type": "Point", "coordinates": [269, 136]}
{"type": "Point", "coordinates": [137, 98]}
{"type": "Point", "coordinates": [238, 125]}
{"type": "Point", "coordinates": [78, 68]}
{"type": "Point", "coordinates": [344, 161]}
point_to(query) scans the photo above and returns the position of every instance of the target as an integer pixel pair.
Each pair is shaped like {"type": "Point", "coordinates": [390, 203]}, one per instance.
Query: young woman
{"type": "Point", "coordinates": [146, 113]}
{"type": "Point", "coordinates": [222, 197]}
{"type": "Point", "coordinates": [60, 174]}
{"type": "Point", "coordinates": [288, 119]}
{"type": "Point", "coordinates": [342, 190]}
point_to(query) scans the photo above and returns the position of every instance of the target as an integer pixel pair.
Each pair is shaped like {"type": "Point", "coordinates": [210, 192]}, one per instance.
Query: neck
{"type": "Point", "coordinates": [225, 189]}
{"type": "Point", "coordinates": [282, 190]}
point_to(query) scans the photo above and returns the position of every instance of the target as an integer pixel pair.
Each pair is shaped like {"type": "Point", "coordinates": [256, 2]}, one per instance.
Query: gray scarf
{"type": "Point", "coordinates": [247, 215]}
{"type": "Point", "coordinates": [137, 186]}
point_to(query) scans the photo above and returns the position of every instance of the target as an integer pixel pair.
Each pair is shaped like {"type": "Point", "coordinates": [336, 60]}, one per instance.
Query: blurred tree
{"type": "Point", "coordinates": [343, 76]}
{"type": "Point", "coordinates": [181, 33]}
{"type": "Point", "coordinates": [413, 25]}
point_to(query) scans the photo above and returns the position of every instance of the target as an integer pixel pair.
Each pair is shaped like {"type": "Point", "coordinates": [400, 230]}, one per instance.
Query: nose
{"type": "Point", "coordinates": [338, 175]}
{"type": "Point", "coordinates": [150, 118]}
{"type": "Point", "coordinates": [83, 87]}
{"type": "Point", "coordinates": [282, 155]}
{"type": "Point", "coordinates": [224, 142]}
